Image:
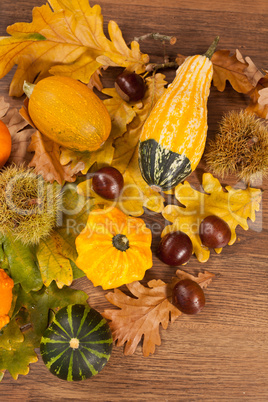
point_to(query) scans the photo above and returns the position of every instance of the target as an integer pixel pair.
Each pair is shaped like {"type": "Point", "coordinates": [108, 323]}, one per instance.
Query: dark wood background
{"type": "Point", "coordinates": [222, 353]}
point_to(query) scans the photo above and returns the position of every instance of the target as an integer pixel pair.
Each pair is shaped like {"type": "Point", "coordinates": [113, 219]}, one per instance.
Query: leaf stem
{"type": "Point", "coordinates": [156, 36]}
{"type": "Point", "coordinates": [157, 66]}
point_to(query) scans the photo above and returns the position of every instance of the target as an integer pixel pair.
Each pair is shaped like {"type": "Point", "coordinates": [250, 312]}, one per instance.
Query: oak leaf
{"type": "Point", "coordinates": [18, 358]}
{"type": "Point", "coordinates": [53, 264]}
{"type": "Point", "coordinates": [21, 263]}
{"type": "Point", "coordinates": [226, 67]}
{"type": "Point", "coordinates": [141, 315]}
{"type": "Point", "coordinates": [46, 160]}
{"type": "Point", "coordinates": [65, 38]}
{"type": "Point", "coordinates": [234, 206]}
{"type": "Point", "coordinates": [258, 99]}
{"type": "Point", "coordinates": [251, 71]}
{"type": "Point", "coordinates": [20, 135]}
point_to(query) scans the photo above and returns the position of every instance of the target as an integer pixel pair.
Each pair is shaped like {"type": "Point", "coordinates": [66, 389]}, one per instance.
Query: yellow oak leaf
{"type": "Point", "coordinates": [53, 264]}
{"type": "Point", "coordinates": [65, 37]}
{"type": "Point", "coordinates": [234, 206]}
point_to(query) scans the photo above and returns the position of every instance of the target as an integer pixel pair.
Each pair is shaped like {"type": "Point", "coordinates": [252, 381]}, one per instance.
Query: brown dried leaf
{"type": "Point", "coordinates": [259, 99]}
{"type": "Point", "coordinates": [4, 106]}
{"type": "Point", "coordinates": [46, 160]}
{"type": "Point", "coordinates": [21, 137]}
{"type": "Point", "coordinates": [141, 316]}
{"type": "Point", "coordinates": [226, 67]}
{"type": "Point", "coordinates": [252, 71]}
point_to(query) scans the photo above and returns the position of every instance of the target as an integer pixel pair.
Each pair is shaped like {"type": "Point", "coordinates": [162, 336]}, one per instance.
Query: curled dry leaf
{"type": "Point", "coordinates": [259, 99]}
{"type": "Point", "coordinates": [21, 136]}
{"type": "Point", "coordinates": [46, 160]}
{"type": "Point", "coordinates": [234, 206]}
{"type": "Point", "coordinates": [251, 71]}
{"type": "Point", "coordinates": [141, 315]}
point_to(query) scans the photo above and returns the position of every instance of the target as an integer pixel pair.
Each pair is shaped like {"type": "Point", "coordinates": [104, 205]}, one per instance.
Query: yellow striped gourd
{"type": "Point", "coordinates": [173, 138]}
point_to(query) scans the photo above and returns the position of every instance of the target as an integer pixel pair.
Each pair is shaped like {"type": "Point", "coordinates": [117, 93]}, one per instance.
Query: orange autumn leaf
{"type": "Point", "coordinates": [229, 68]}
{"type": "Point", "coordinates": [141, 315]}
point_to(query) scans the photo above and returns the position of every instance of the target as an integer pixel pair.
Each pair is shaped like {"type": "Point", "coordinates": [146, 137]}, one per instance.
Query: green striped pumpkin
{"type": "Point", "coordinates": [77, 344]}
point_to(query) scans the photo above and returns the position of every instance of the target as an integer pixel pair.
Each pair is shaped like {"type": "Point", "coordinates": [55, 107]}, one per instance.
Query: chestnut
{"type": "Point", "coordinates": [175, 248]}
{"type": "Point", "coordinates": [188, 296]}
{"type": "Point", "coordinates": [214, 232]}
{"type": "Point", "coordinates": [130, 86]}
{"type": "Point", "coordinates": [108, 182]}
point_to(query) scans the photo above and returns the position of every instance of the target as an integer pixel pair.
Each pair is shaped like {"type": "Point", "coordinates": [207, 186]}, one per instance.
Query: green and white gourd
{"type": "Point", "coordinates": [78, 343]}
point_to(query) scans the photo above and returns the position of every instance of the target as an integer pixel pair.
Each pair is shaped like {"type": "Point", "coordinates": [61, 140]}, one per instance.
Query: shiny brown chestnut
{"type": "Point", "coordinates": [214, 232]}
{"type": "Point", "coordinates": [108, 182]}
{"type": "Point", "coordinates": [130, 86]}
{"type": "Point", "coordinates": [175, 248]}
{"type": "Point", "coordinates": [188, 296]}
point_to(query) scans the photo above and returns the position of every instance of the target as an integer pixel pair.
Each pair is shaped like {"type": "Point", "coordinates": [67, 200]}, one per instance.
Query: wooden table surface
{"type": "Point", "coordinates": [222, 353]}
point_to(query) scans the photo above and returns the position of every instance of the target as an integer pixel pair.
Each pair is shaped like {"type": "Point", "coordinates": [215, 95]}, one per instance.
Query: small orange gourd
{"type": "Point", "coordinates": [114, 249]}
{"type": "Point", "coordinates": [68, 112]}
{"type": "Point", "coordinates": [6, 286]}
{"type": "Point", "coordinates": [174, 135]}
{"type": "Point", "coordinates": [5, 143]}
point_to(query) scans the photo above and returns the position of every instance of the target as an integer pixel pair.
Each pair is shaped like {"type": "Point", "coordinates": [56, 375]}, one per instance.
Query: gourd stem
{"type": "Point", "coordinates": [120, 242]}
{"type": "Point", "coordinates": [212, 48]}
{"type": "Point", "coordinates": [28, 88]}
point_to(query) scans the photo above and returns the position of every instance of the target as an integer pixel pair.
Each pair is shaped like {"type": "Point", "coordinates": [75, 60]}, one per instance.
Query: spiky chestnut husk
{"type": "Point", "coordinates": [240, 147]}
{"type": "Point", "coordinates": [29, 206]}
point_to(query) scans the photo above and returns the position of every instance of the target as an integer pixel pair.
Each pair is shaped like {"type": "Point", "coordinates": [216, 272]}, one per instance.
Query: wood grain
{"type": "Point", "coordinates": [222, 353]}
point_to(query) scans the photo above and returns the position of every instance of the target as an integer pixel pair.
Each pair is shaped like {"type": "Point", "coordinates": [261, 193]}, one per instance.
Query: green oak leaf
{"type": "Point", "coordinates": [9, 335]}
{"type": "Point", "coordinates": [77, 272]}
{"type": "Point", "coordinates": [39, 304]}
{"type": "Point", "coordinates": [22, 353]}
{"type": "Point", "coordinates": [22, 263]}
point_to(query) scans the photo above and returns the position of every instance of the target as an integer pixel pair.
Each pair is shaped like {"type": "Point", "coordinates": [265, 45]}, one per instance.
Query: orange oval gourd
{"type": "Point", "coordinates": [6, 286]}
{"type": "Point", "coordinates": [174, 135]}
{"type": "Point", "coordinates": [114, 249]}
{"type": "Point", "coordinates": [5, 143]}
{"type": "Point", "coordinates": [68, 112]}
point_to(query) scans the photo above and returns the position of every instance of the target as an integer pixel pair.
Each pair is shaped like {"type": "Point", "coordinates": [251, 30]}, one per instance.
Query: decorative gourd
{"type": "Point", "coordinates": [77, 344]}
{"type": "Point", "coordinates": [6, 286]}
{"type": "Point", "coordinates": [114, 248]}
{"type": "Point", "coordinates": [173, 137]}
{"type": "Point", "coordinates": [68, 112]}
{"type": "Point", "coordinates": [5, 141]}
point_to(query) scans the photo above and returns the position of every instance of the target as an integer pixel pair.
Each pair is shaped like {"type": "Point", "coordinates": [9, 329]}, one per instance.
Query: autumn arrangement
{"type": "Point", "coordinates": [78, 173]}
